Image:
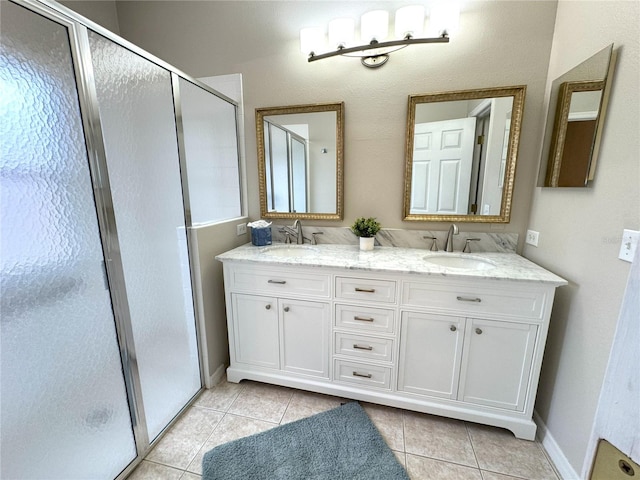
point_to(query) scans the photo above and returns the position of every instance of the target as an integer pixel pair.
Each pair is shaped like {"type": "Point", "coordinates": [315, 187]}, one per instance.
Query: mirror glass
{"type": "Point", "coordinates": [461, 152]}
{"type": "Point", "coordinates": [577, 104]}
{"type": "Point", "coordinates": [300, 155]}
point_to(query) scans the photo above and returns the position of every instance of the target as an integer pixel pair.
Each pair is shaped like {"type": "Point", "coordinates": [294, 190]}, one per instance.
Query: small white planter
{"type": "Point", "coordinates": [366, 243]}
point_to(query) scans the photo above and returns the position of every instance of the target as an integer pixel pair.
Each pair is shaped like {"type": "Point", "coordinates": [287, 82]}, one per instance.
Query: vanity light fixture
{"type": "Point", "coordinates": [374, 31]}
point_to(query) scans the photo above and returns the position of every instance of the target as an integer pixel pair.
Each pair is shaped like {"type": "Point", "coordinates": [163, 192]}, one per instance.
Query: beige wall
{"type": "Point", "coordinates": [210, 241]}
{"type": "Point", "coordinates": [102, 12]}
{"type": "Point", "coordinates": [580, 229]}
{"type": "Point", "coordinates": [500, 43]}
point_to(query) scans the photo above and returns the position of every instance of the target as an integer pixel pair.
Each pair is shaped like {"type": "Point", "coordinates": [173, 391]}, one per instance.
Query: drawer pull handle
{"type": "Point", "coordinates": [279, 282]}
{"type": "Point", "coordinates": [360, 347]}
{"type": "Point", "coordinates": [363, 319]}
{"type": "Point", "coordinates": [268, 307]}
{"type": "Point", "coordinates": [453, 328]}
{"type": "Point", "coordinates": [468, 299]}
{"type": "Point", "coordinates": [286, 309]}
{"type": "Point", "coordinates": [363, 375]}
{"type": "Point", "coordinates": [479, 331]}
{"type": "Point", "coordinates": [366, 290]}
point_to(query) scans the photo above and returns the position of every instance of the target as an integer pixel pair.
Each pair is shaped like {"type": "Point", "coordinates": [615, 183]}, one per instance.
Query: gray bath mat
{"type": "Point", "coordinates": [340, 444]}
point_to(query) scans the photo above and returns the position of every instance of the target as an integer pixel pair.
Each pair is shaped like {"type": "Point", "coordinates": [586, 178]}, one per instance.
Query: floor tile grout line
{"type": "Point", "coordinates": [206, 440]}
{"type": "Point", "coordinates": [286, 408]}
{"type": "Point", "coordinates": [233, 414]}
{"type": "Point", "coordinates": [404, 436]}
{"type": "Point", "coordinates": [509, 475]}
{"type": "Point", "coordinates": [443, 460]}
{"type": "Point", "coordinates": [156, 462]}
{"type": "Point", "coordinates": [473, 449]}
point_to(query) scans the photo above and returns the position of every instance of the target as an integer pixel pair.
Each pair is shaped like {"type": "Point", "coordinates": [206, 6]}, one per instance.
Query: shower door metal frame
{"type": "Point", "coordinates": [78, 27]}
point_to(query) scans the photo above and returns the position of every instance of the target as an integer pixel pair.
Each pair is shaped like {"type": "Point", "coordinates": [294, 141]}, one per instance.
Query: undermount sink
{"type": "Point", "coordinates": [462, 261]}
{"type": "Point", "coordinates": [290, 251]}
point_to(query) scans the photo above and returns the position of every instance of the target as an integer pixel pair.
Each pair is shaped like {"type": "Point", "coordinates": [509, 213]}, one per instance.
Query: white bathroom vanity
{"type": "Point", "coordinates": [450, 334]}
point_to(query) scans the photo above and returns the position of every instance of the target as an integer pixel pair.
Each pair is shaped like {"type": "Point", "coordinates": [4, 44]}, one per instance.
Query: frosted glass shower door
{"type": "Point", "coordinates": [64, 408]}
{"type": "Point", "coordinates": [135, 101]}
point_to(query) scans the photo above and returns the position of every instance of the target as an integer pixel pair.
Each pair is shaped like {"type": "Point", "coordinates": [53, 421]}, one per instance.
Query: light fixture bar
{"type": "Point", "coordinates": [378, 45]}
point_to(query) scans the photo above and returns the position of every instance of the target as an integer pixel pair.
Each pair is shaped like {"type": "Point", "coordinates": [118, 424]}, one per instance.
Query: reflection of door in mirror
{"type": "Point", "coordinates": [442, 158]}
{"type": "Point", "coordinates": [286, 167]}
{"type": "Point", "coordinates": [459, 164]}
{"type": "Point", "coordinates": [461, 153]}
{"type": "Point", "coordinates": [496, 144]}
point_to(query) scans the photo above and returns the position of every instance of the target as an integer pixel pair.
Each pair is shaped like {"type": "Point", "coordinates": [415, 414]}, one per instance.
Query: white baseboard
{"type": "Point", "coordinates": [216, 377]}
{"type": "Point", "coordinates": [555, 453]}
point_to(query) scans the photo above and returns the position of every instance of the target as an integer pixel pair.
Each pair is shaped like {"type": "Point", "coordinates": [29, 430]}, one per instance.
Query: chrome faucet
{"type": "Point", "coordinates": [453, 230]}
{"type": "Point", "coordinates": [297, 225]}
{"type": "Point", "coordinates": [294, 230]}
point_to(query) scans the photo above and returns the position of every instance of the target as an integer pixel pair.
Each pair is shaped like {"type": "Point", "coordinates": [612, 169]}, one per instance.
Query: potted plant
{"type": "Point", "coordinates": [366, 229]}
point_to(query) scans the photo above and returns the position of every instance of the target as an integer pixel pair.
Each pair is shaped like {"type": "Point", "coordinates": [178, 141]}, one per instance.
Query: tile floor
{"type": "Point", "coordinates": [429, 447]}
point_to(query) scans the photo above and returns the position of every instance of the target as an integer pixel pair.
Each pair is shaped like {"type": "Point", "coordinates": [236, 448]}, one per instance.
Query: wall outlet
{"type": "Point", "coordinates": [241, 229]}
{"type": "Point", "coordinates": [629, 245]}
{"type": "Point", "coordinates": [532, 237]}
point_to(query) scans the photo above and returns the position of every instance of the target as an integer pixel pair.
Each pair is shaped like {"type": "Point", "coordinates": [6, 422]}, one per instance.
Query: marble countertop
{"type": "Point", "coordinates": [498, 266]}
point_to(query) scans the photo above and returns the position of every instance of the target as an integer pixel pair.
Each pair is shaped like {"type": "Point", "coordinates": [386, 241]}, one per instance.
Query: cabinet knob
{"type": "Point", "coordinates": [453, 328]}
{"type": "Point", "coordinates": [267, 307]}
{"type": "Point", "coordinates": [479, 331]}
{"type": "Point", "coordinates": [286, 309]}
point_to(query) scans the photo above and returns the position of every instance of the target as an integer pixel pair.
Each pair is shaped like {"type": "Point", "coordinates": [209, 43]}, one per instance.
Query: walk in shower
{"type": "Point", "coordinates": [99, 343]}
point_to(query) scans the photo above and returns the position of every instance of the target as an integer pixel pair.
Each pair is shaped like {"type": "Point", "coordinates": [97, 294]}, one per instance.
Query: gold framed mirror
{"type": "Point", "coordinates": [300, 161]}
{"type": "Point", "coordinates": [574, 133]}
{"type": "Point", "coordinates": [575, 120]}
{"type": "Point", "coordinates": [461, 152]}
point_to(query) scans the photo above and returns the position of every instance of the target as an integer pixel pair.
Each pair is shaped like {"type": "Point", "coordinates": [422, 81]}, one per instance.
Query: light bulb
{"type": "Point", "coordinates": [341, 32]}
{"type": "Point", "coordinates": [444, 18]}
{"type": "Point", "coordinates": [409, 21]}
{"type": "Point", "coordinates": [311, 40]}
{"type": "Point", "coordinates": [374, 26]}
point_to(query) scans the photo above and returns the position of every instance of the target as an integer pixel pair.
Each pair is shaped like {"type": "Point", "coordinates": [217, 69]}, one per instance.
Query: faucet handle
{"type": "Point", "coordinates": [467, 248]}
{"type": "Point", "coordinates": [314, 240]}
{"type": "Point", "coordinates": [434, 244]}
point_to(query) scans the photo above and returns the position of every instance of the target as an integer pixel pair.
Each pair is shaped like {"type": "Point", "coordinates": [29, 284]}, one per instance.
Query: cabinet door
{"type": "Point", "coordinates": [430, 353]}
{"type": "Point", "coordinates": [496, 363]}
{"type": "Point", "coordinates": [256, 330]}
{"type": "Point", "coordinates": [305, 337]}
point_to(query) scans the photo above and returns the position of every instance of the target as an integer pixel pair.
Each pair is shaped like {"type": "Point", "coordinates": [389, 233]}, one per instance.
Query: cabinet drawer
{"type": "Point", "coordinates": [469, 301]}
{"type": "Point", "coordinates": [362, 374]}
{"type": "Point", "coordinates": [276, 281]}
{"type": "Point", "coordinates": [365, 319]}
{"type": "Point", "coordinates": [371, 348]}
{"type": "Point", "coordinates": [366, 290]}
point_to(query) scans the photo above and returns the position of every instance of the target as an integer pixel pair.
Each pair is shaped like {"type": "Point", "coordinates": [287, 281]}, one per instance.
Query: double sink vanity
{"type": "Point", "coordinates": [452, 334]}
{"type": "Point", "coordinates": [460, 335]}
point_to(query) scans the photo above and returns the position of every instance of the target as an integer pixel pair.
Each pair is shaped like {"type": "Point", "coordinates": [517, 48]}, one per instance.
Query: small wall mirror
{"type": "Point", "coordinates": [461, 152]}
{"type": "Point", "coordinates": [577, 106]}
{"type": "Point", "coordinates": [300, 157]}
